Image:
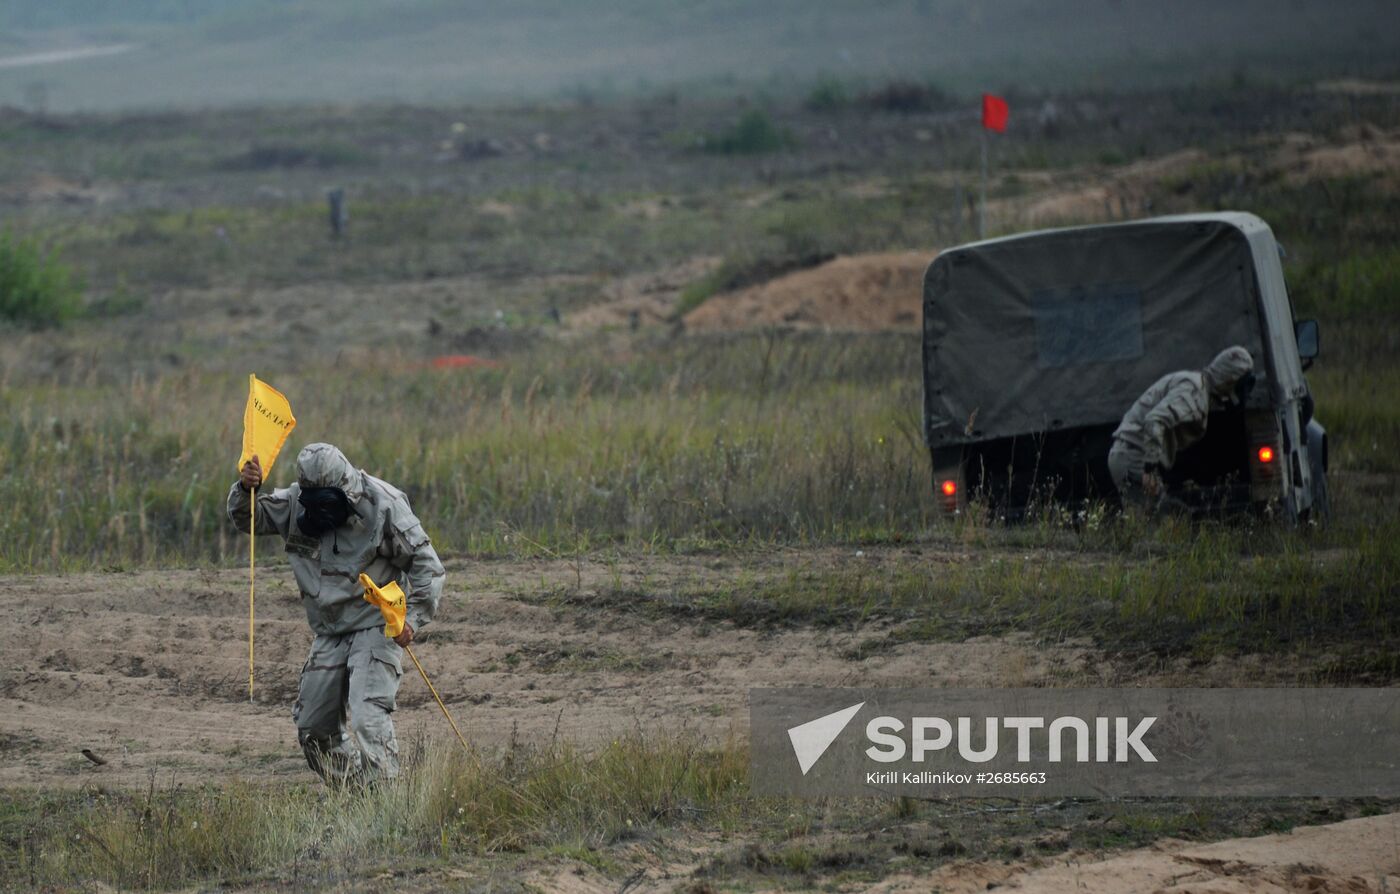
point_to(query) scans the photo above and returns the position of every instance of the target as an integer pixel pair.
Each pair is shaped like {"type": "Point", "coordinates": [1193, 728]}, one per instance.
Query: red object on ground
{"type": "Point", "coordinates": [464, 361]}
{"type": "Point", "coordinates": [994, 112]}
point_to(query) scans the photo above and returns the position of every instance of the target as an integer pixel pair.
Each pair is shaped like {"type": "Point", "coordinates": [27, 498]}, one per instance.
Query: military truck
{"type": "Point", "coordinates": [1034, 346]}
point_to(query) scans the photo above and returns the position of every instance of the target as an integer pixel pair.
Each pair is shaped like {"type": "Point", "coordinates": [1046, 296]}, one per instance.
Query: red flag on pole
{"type": "Point", "coordinates": [994, 113]}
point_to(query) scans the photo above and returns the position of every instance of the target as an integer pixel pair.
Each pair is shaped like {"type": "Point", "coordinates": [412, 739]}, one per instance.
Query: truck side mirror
{"type": "Point", "coordinates": [1309, 341]}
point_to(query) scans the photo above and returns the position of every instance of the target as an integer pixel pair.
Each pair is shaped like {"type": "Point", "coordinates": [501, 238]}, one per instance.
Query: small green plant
{"type": "Point", "coordinates": [752, 134]}
{"type": "Point", "coordinates": [35, 287]}
{"type": "Point", "coordinates": [828, 95]}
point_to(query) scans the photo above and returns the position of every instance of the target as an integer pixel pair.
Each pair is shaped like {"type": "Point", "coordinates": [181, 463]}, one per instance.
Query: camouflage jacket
{"type": "Point", "coordinates": [382, 538]}
{"type": "Point", "coordinates": [1169, 417]}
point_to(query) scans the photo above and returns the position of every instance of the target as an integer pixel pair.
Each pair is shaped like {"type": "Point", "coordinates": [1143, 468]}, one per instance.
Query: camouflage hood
{"type": "Point", "coordinates": [323, 465]}
{"type": "Point", "coordinates": [1228, 367]}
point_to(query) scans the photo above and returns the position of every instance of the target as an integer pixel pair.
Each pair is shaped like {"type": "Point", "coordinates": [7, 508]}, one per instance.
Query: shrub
{"type": "Point", "coordinates": [905, 96]}
{"type": "Point", "coordinates": [274, 156]}
{"type": "Point", "coordinates": [755, 132]}
{"type": "Point", "coordinates": [35, 287]}
{"type": "Point", "coordinates": [828, 95]}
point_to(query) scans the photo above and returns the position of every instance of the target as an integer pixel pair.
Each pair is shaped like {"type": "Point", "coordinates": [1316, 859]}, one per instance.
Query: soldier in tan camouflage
{"type": "Point", "coordinates": [1169, 417]}
{"type": "Point", "coordinates": [337, 521]}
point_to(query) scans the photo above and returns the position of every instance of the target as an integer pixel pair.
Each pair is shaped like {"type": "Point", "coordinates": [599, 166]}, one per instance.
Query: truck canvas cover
{"type": "Point", "coordinates": [1066, 328]}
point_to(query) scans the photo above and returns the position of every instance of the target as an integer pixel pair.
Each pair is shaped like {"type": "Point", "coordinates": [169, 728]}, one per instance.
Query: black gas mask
{"type": "Point", "coordinates": [322, 509]}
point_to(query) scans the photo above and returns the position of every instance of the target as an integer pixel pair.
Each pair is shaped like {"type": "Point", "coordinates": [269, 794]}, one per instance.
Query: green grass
{"type": "Point", "coordinates": [549, 231]}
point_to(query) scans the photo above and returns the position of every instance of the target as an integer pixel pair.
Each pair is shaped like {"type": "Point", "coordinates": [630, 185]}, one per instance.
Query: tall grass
{"type": "Point", "coordinates": [679, 444]}
{"type": "Point", "coordinates": [709, 440]}
{"type": "Point", "coordinates": [449, 804]}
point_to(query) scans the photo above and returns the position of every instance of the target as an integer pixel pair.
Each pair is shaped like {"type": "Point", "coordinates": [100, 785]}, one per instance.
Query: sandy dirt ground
{"type": "Point", "coordinates": [1360, 855]}
{"type": "Point", "coordinates": [148, 669]}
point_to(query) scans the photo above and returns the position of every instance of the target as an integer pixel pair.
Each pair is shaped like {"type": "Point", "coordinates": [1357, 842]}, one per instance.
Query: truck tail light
{"type": "Point", "coordinates": [947, 487]}
{"type": "Point", "coordinates": [1266, 458]}
{"type": "Point", "coordinates": [948, 481]}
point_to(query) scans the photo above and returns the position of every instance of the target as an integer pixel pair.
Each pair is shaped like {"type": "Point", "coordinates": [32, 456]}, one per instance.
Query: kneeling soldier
{"type": "Point", "coordinates": [1169, 417]}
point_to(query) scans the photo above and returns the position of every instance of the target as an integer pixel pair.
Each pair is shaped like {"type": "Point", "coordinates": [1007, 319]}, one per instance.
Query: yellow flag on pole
{"type": "Point", "coordinates": [267, 421]}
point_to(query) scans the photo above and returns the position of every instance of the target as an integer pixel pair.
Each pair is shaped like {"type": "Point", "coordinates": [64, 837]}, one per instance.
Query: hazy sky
{"type": "Point", "coordinates": [155, 53]}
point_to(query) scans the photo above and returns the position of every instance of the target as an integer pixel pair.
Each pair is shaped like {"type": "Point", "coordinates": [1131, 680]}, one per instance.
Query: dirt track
{"type": "Point", "coordinates": [149, 669]}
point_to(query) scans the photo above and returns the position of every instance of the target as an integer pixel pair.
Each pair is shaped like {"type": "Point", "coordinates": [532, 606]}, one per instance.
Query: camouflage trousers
{"type": "Point", "coordinates": [348, 688]}
{"type": "Point", "coordinates": [1126, 465]}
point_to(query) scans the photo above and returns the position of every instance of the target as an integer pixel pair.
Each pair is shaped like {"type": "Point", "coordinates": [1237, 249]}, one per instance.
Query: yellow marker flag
{"type": "Point", "coordinates": [390, 600]}
{"type": "Point", "coordinates": [267, 421]}
{"type": "Point", "coordinates": [392, 605]}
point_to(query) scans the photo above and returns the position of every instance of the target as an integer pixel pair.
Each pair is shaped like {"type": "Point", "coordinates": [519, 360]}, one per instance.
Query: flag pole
{"type": "Point", "coordinates": [252, 539]}
{"type": "Point", "coordinates": [437, 698]}
{"type": "Point", "coordinates": [982, 207]}
{"type": "Point", "coordinates": [267, 421]}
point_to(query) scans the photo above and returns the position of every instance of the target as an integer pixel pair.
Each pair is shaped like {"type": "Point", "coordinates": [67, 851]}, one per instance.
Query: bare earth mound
{"type": "Point", "coordinates": [859, 292]}
{"type": "Point", "coordinates": [647, 298]}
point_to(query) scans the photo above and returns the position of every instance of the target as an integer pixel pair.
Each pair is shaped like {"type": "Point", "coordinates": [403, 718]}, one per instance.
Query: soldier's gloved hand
{"type": "Point", "coordinates": [251, 477]}
{"type": "Point", "coordinates": [405, 637]}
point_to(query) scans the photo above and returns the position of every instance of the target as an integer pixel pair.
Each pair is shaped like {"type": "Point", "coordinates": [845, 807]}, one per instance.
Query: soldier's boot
{"type": "Point", "coordinates": [335, 758]}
